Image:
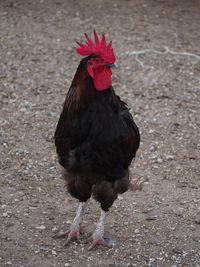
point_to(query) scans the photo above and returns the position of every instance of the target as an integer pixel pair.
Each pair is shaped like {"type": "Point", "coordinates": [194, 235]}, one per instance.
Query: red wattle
{"type": "Point", "coordinates": [102, 79]}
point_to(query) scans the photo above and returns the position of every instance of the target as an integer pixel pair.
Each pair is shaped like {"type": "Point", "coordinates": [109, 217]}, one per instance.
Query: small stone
{"type": "Point", "coordinates": [169, 157]}
{"type": "Point", "coordinates": [55, 229]}
{"type": "Point", "coordinates": [197, 220]}
{"type": "Point", "coordinates": [7, 214]}
{"type": "Point", "coordinates": [19, 151]}
{"type": "Point", "coordinates": [3, 144]}
{"type": "Point", "coordinates": [153, 149]}
{"type": "Point", "coordinates": [45, 249]}
{"type": "Point", "coordinates": [159, 160]}
{"type": "Point", "coordinates": [192, 227]}
{"type": "Point", "coordinates": [40, 227]}
{"type": "Point", "coordinates": [151, 217]}
{"type": "Point", "coordinates": [54, 252]}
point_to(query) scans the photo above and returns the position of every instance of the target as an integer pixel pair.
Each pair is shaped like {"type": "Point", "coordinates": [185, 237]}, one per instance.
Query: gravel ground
{"type": "Point", "coordinates": [156, 226]}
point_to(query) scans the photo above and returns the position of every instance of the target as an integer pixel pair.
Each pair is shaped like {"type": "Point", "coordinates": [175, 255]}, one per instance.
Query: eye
{"type": "Point", "coordinates": [98, 60]}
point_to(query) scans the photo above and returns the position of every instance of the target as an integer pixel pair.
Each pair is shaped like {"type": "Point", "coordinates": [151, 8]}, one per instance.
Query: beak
{"type": "Point", "coordinates": [111, 65]}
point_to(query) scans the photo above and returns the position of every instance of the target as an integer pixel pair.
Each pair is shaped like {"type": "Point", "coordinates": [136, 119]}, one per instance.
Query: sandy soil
{"type": "Point", "coordinates": [156, 226]}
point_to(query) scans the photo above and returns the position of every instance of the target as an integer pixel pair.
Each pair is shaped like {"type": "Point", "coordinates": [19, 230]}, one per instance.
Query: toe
{"type": "Point", "coordinates": [70, 235]}
{"type": "Point", "coordinates": [61, 235]}
{"type": "Point", "coordinates": [99, 241]}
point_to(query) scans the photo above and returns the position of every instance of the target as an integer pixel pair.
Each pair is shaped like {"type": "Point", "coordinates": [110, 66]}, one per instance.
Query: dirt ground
{"type": "Point", "coordinates": [156, 226]}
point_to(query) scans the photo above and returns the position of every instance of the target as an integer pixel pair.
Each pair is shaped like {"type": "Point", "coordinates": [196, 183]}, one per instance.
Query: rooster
{"type": "Point", "coordinates": [96, 137]}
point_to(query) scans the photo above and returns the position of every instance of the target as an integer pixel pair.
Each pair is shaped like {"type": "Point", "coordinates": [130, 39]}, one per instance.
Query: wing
{"type": "Point", "coordinates": [71, 133]}
{"type": "Point", "coordinates": [133, 134]}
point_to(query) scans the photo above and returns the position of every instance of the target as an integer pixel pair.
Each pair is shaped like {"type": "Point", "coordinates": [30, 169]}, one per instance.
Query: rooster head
{"type": "Point", "coordinates": [99, 65]}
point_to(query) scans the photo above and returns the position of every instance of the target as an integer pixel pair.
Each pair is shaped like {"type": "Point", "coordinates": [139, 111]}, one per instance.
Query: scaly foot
{"type": "Point", "coordinates": [75, 229]}
{"type": "Point", "coordinates": [97, 237]}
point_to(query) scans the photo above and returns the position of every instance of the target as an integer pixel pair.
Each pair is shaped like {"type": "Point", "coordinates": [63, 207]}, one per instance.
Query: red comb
{"type": "Point", "coordinates": [98, 48]}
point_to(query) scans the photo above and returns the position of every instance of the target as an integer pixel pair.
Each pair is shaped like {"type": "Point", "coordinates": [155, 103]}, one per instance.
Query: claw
{"type": "Point", "coordinates": [73, 234]}
{"type": "Point", "coordinates": [99, 241]}
{"type": "Point", "coordinates": [61, 235]}
{"type": "Point", "coordinates": [70, 235]}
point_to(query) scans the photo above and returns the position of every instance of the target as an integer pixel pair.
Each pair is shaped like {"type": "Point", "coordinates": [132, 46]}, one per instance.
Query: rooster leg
{"type": "Point", "coordinates": [97, 236]}
{"type": "Point", "coordinates": [75, 228]}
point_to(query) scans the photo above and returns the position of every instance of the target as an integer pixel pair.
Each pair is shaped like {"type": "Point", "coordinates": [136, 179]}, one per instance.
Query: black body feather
{"type": "Point", "coordinates": [96, 140]}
